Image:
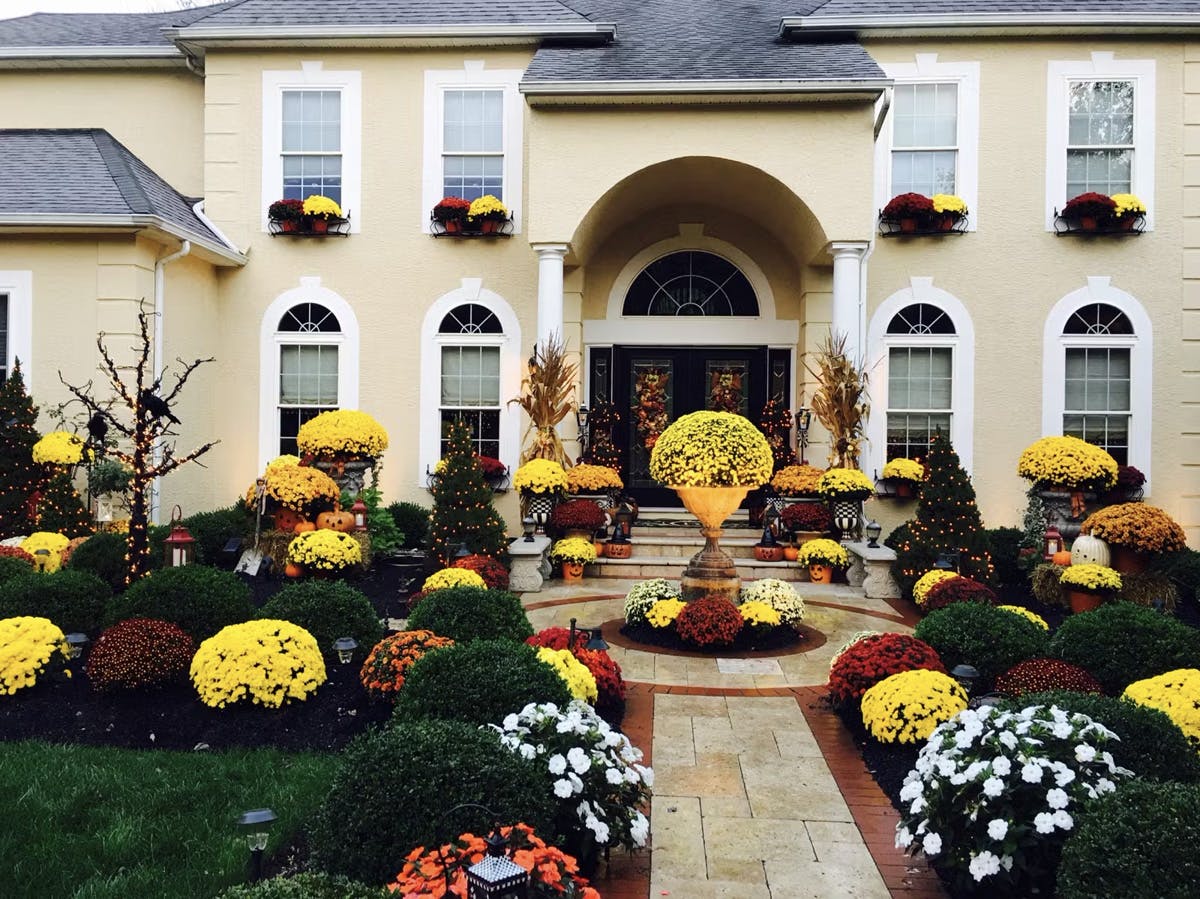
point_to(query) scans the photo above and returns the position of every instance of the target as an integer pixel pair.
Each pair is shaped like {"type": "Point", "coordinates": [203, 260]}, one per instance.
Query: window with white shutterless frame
{"type": "Point", "coordinates": [16, 323]}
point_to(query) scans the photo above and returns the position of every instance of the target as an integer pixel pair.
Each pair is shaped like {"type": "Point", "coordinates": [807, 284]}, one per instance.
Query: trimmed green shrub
{"type": "Point", "coordinates": [478, 682]}
{"type": "Point", "coordinates": [327, 610]}
{"type": "Point", "coordinates": [1121, 642]}
{"type": "Point", "coordinates": [212, 530]}
{"type": "Point", "coordinates": [73, 600]}
{"type": "Point", "coordinates": [468, 613]}
{"type": "Point", "coordinates": [201, 600]}
{"type": "Point", "coordinates": [309, 885]}
{"type": "Point", "coordinates": [1005, 544]}
{"type": "Point", "coordinates": [11, 568]}
{"type": "Point", "coordinates": [1183, 568]}
{"type": "Point", "coordinates": [1151, 746]}
{"type": "Point", "coordinates": [104, 556]}
{"type": "Point", "coordinates": [396, 787]}
{"type": "Point", "coordinates": [991, 639]}
{"type": "Point", "coordinates": [1137, 841]}
{"type": "Point", "coordinates": [412, 521]}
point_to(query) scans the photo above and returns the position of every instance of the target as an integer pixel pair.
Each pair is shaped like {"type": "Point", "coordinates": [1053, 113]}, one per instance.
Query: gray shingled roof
{"type": "Point", "coordinates": [86, 171]}
{"type": "Point", "coordinates": [708, 40]}
{"type": "Point", "coordinates": [97, 29]}
{"type": "Point", "coordinates": [261, 13]}
{"type": "Point", "coordinates": [946, 7]}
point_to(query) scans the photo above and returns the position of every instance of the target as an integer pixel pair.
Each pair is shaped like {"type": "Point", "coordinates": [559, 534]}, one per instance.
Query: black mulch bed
{"type": "Point", "coordinates": [779, 638]}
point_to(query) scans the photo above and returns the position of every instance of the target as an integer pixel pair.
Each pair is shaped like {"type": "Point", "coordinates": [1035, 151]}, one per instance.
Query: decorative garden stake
{"type": "Point", "coordinates": [345, 647]}
{"type": "Point", "coordinates": [496, 876]}
{"type": "Point", "coordinates": [180, 545]}
{"type": "Point", "coordinates": [256, 824]}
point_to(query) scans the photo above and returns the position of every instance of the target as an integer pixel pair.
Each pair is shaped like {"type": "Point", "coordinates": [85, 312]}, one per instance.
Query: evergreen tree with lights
{"type": "Point", "coordinates": [60, 508]}
{"type": "Point", "coordinates": [462, 504]}
{"type": "Point", "coordinates": [21, 479]}
{"type": "Point", "coordinates": [775, 421]}
{"type": "Point", "coordinates": [947, 522]}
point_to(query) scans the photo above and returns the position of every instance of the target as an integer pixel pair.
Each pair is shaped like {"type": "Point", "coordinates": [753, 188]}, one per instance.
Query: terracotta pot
{"type": "Point", "coordinates": [947, 222]}
{"type": "Point", "coordinates": [1088, 222]}
{"type": "Point", "coordinates": [572, 572]}
{"type": "Point", "coordinates": [454, 226]}
{"type": "Point", "coordinates": [320, 226]}
{"type": "Point", "coordinates": [1129, 561]}
{"type": "Point", "coordinates": [820, 574]}
{"type": "Point", "coordinates": [1127, 222]}
{"type": "Point", "coordinates": [908, 225]}
{"type": "Point", "coordinates": [287, 225]}
{"type": "Point", "coordinates": [768, 553]}
{"type": "Point", "coordinates": [791, 553]}
{"type": "Point", "coordinates": [904, 489]}
{"type": "Point", "coordinates": [618, 550]}
{"type": "Point", "coordinates": [489, 226]}
{"type": "Point", "coordinates": [1082, 601]}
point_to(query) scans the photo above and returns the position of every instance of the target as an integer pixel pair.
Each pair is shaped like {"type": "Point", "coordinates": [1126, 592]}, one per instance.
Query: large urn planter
{"type": "Point", "coordinates": [1129, 561]}
{"type": "Point", "coordinates": [711, 571]}
{"type": "Point", "coordinates": [1067, 509]}
{"type": "Point", "coordinates": [349, 476]}
{"type": "Point", "coordinates": [538, 506]}
{"type": "Point", "coordinates": [847, 513]}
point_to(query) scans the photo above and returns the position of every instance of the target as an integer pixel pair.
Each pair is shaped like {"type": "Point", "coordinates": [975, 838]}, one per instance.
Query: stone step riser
{"type": "Point", "coordinates": [672, 569]}
{"type": "Point", "coordinates": [683, 551]}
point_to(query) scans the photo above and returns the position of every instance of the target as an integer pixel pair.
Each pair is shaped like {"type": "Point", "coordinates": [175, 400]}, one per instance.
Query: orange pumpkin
{"type": "Point", "coordinates": [287, 519]}
{"type": "Point", "coordinates": [1062, 557]}
{"type": "Point", "coordinates": [336, 521]}
{"type": "Point", "coordinates": [303, 526]}
{"type": "Point", "coordinates": [291, 569]}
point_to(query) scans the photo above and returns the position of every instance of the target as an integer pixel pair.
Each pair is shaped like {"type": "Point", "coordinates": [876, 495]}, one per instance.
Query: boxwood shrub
{"type": "Point", "coordinates": [11, 568]}
{"type": "Point", "coordinates": [396, 788]}
{"type": "Point", "coordinates": [981, 635]}
{"type": "Point", "coordinates": [1120, 643]}
{"type": "Point", "coordinates": [467, 613]}
{"type": "Point", "coordinates": [1137, 841]}
{"type": "Point", "coordinates": [478, 682]}
{"type": "Point", "coordinates": [104, 556]}
{"type": "Point", "coordinates": [327, 610]}
{"type": "Point", "coordinates": [73, 600]}
{"type": "Point", "coordinates": [1005, 547]}
{"type": "Point", "coordinates": [412, 521]}
{"type": "Point", "coordinates": [212, 530]}
{"type": "Point", "coordinates": [309, 885]}
{"type": "Point", "coordinates": [201, 600]}
{"type": "Point", "coordinates": [1151, 745]}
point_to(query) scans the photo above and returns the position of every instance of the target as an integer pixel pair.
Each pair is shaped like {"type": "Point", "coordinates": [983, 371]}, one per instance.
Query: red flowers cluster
{"type": "Point", "coordinates": [957, 589]}
{"type": "Point", "coordinates": [15, 552]}
{"type": "Point", "coordinates": [1089, 204]}
{"type": "Point", "coordinates": [577, 515]}
{"type": "Point", "coordinates": [387, 664]}
{"type": "Point", "coordinates": [494, 574]}
{"type": "Point", "coordinates": [610, 685]}
{"type": "Point", "coordinates": [1037, 675]}
{"type": "Point", "coordinates": [806, 517]}
{"type": "Point", "coordinates": [450, 209]}
{"type": "Point", "coordinates": [492, 468]}
{"type": "Point", "coordinates": [710, 621]}
{"type": "Point", "coordinates": [906, 205]}
{"type": "Point", "coordinates": [139, 653]}
{"type": "Point", "coordinates": [872, 659]}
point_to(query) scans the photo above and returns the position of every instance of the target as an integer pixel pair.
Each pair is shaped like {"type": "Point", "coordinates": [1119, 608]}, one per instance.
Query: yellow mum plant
{"type": "Point", "coordinates": [797, 480]}
{"type": "Point", "coordinates": [579, 680]}
{"type": "Point", "coordinates": [757, 612]}
{"type": "Point", "coordinates": [906, 707]}
{"type": "Point", "coordinates": [297, 487]}
{"type": "Point", "coordinates": [904, 470]}
{"type": "Point", "coordinates": [53, 543]}
{"type": "Point", "coordinates": [1136, 526]}
{"type": "Point", "coordinates": [342, 434]}
{"type": "Point", "coordinates": [711, 449]}
{"type": "Point", "coordinates": [268, 662]}
{"type": "Point", "coordinates": [1025, 613]}
{"type": "Point", "coordinates": [1127, 204]}
{"type": "Point", "coordinates": [27, 646]}
{"type": "Point", "coordinates": [324, 550]}
{"type": "Point", "coordinates": [824, 551]}
{"type": "Point", "coordinates": [285, 459]}
{"type": "Point", "coordinates": [585, 478]}
{"type": "Point", "coordinates": [540, 476]}
{"type": "Point", "coordinates": [926, 581]}
{"type": "Point", "coordinates": [1067, 463]}
{"type": "Point", "coordinates": [61, 448]}
{"type": "Point", "coordinates": [1091, 578]}
{"type": "Point", "coordinates": [488, 207]}
{"type": "Point", "coordinates": [664, 612]}
{"type": "Point", "coordinates": [453, 577]}
{"type": "Point", "coordinates": [319, 206]}
{"type": "Point", "coordinates": [845, 484]}
{"type": "Point", "coordinates": [1176, 694]}
{"type": "Point", "coordinates": [574, 550]}
{"type": "Point", "coordinates": [949, 203]}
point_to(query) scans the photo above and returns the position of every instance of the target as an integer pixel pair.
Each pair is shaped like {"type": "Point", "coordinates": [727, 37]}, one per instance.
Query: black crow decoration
{"type": "Point", "coordinates": [156, 405]}
{"type": "Point", "coordinates": [97, 427]}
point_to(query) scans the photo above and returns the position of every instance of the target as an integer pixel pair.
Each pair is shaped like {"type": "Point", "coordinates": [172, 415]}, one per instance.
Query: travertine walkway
{"type": "Point", "coordinates": [747, 805]}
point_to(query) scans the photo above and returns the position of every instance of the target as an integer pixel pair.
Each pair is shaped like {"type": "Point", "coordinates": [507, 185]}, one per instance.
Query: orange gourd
{"type": "Point", "coordinates": [303, 527]}
{"type": "Point", "coordinates": [291, 569]}
{"type": "Point", "coordinates": [1062, 557]}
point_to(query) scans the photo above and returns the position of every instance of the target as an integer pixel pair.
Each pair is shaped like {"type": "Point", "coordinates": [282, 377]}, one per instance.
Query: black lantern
{"type": "Point", "coordinates": [528, 526]}
{"type": "Point", "coordinates": [803, 420]}
{"type": "Point", "coordinates": [180, 545]}
{"type": "Point", "coordinates": [496, 876]}
{"type": "Point", "coordinates": [76, 643]}
{"type": "Point", "coordinates": [581, 419]}
{"type": "Point", "coordinates": [768, 537]}
{"type": "Point", "coordinates": [967, 677]}
{"type": "Point", "coordinates": [624, 519]}
{"type": "Point", "coordinates": [256, 825]}
{"type": "Point", "coordinates": [873, 529]}
{"type": "Point", "coordinates": [345, 647]}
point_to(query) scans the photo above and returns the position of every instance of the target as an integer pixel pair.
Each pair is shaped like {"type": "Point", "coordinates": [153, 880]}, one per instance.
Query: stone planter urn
{"type": "Point", "coordinates": [711, 571]}
{"type": "Point", "coordinates": [349, 476]}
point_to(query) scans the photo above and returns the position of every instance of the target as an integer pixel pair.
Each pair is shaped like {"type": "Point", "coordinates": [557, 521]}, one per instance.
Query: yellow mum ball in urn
{"type": "Point", "coordinates": [712, 460]}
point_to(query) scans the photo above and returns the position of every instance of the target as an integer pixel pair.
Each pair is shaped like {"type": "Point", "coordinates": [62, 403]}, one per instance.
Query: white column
{"type": "Point", "coordinates": [550, 289]}
{"type": "Point", "coordinates": [847, 294]}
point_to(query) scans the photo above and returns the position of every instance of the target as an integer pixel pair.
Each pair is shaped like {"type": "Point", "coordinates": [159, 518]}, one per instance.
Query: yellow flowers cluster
{"type": "Point", "coordinates": [269, 662]}
{"type": "Point", "coordinates": [324, 550]}
{"type": "Point", "coordinates": [453, 577]}
{"type": "Point", "coordinates": [797, 480]}
{"type": "Point", "coordinates": [845, 483]}
{"type": "Point", "coordinates": [948, 203]}
{"type": "Point", "coordinates": [296, 487]}
{"type": "Point", "coordinates": [905, 470]}
{"type": "Point", "coordinates": [1136, 526]}
{"type": "Point", "coordinates": [711, 449]}
{"type": "Point", "coordinates": [757, 612]}
{"type": "Point", "coordinates": [27, 644]}
{"type": "Point", "coordinates": [54, 544]}
{"type": "Point", "coordinates": [645, 594]}
{"type": "Point", "coordinates": [664, 612]}
{"type": "Point", "coordinates": [575, 550]}
{"type": "Point", "coordinates": [585, 478]}
{"type": "Point", "coordinates": [318, 205]}
{"type": "Point", "coordinates": [1176, 694]}
{"type": "Point", "coordinates": [1025, 613]}
{"type": "Point", "coordinates": [925, 583]}
{"type": "Point", "coordinates": [575, 674]}
{"type": "Point", "coordinates": [487, 206]}
{"type": "Point", "coordinates": [824, 551]}
{"type": "Point", "coordinates": [906, 707]}
{"type": "Point", "coordinates": [1126, 204]}
{"type": "Point", "coordinates": [540, 476]}
{"type": "Point", "coordinates": [342, 433]}
{"type": "Point", "coordinates": [285, 459]}
{"type": "Point", "coordinates": [1092, 578]}
{"type": "Point", "coordinates": [60, 448]}
{"type": "Point", "coordinates": [1067, 463]}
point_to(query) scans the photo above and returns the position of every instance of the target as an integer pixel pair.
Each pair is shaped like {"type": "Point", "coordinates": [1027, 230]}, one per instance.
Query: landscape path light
{"type": "Point", "coordinates": [255, 826]}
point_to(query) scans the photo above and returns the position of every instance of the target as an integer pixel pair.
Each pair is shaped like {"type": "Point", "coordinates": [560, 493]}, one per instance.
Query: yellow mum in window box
{"type": "Point", "coordinates": [342, 434]}
{"type": "Point", "coordinates": [904, 470]}
{"type": "Point", "coordinates": [488, 208]}
{"type": "Point", "coordinates": [823, 551]}
{"type": "Point", "coordinates": [1127, 204]}
{"type": "Point", "coordinates": [540, 476]}
{"type": "Point", "coordinates": [949, 203]}
{"type": "Point", "coordinates": [318, 206]}
{"type": "Point", "coordinates": [711, 449]}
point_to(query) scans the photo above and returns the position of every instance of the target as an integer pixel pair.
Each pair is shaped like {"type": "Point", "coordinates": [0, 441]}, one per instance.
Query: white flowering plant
{"type": "Point", "coordinates": [594, 771]}
{"type": "Point", "coordinates": [779, 595]}
{"type": "Point", "coordinates": [645, 594]}
{"type": "Point", "coordinates": [995, 793]}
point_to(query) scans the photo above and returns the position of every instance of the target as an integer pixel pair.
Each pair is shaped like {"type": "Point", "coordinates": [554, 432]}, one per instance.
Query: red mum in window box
{"type": "Point", "coordinates": [451, 213]}
{"type": "Point", "coordinates": [1090, 211]}
{"type": "Point", "coordinates": [289, 214]}
{"type": "Point", "coordinates": [910, 211]}
{"type": "Point", "coordinates": [492, 468]}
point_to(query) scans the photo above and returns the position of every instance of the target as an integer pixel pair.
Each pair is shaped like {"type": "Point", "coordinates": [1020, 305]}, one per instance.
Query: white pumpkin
{"type": "Point", "coordinates": [1089, 550]}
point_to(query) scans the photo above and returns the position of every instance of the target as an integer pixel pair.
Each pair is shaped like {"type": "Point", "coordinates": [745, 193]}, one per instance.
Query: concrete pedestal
{"type": "Point", "coordinates": [528, 562]}
{"type": "Point", "coordinates": [871, 569]}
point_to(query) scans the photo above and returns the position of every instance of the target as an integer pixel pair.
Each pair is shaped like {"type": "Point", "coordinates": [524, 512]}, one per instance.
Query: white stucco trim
{"type": "Point", "coordinates": [313, 76]}
{"type": "Point", "coordinates": [927, 70]}
{"type": "Point", "coordinates": [473, 76]}
{"type": "Point", "coordinates": [962, 344]}
{"type": "Point", "coordinates": [18, 285]}
{"type": "Point", "coordinates": [271, 339]}
{"type": "Point", "coordinates": [1099, 289]}
{"type": "Point", "coordinates": [470, 291]}
{"type": "Point", "coordinates": [1101, 65]}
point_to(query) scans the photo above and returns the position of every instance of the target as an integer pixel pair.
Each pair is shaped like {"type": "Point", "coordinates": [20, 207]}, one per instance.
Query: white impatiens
{"type": "Point", "coordinates": [593, 770]}
{"type": "Point", "coordinates": [991, 792]}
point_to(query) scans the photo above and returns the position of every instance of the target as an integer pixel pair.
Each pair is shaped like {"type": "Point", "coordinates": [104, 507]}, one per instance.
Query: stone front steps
{"type": "Point", "coordinates": [672, 568]}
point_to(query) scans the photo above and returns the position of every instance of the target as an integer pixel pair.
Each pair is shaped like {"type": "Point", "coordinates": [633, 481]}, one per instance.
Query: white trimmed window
{"type": "Point", "coordinates": [473, 136]}
{"type": "Point", "coordinates": [16, 323]}
{"type": "Point", "coordinates": [5, 365]}
{"type": "Point", "coordinates": [1100, 129]}
{"type": "Point", "coordinates": [312, 138]}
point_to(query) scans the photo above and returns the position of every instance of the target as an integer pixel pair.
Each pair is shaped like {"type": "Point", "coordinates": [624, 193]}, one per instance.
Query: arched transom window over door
{"type": "Point", "coordinates": [309, 337]}
{"type": "Point", "coordinates": [691, 283]}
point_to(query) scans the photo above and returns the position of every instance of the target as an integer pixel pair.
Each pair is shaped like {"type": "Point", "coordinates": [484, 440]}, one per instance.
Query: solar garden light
{"type": "Point", "coordinates": [496, 876]}
{"type": "Point", "coordinates": [967, 677]}
{"type": "Point", "coordinates": [41, 558]}
{"type": "Point", "coordinates": [255, 825]}
{"type": "Point", "coordinates": [76, 643]}
{"type": "Point", "coordinates": [345, 647]}
{"type": "Point", "coordinates": [528, 526]}
{"type": "Point", "coordinates": [873, 529]}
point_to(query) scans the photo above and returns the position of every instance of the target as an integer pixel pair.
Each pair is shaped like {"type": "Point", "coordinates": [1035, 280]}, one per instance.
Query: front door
{"type": "Point", "coordinates": [653, 386]}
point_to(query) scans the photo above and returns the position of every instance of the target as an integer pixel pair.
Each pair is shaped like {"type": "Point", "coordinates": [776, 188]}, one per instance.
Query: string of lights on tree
{"type": "Point", "coordinates": [21, 479]}
{"type": "Point", "coordinates": [462, 504]}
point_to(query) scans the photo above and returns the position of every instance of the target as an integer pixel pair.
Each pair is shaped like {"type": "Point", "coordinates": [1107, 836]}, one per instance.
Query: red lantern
{"type": "Point", "coordinates": [1053, 542]}
{"type": "Point", "coordinates": [359, 509]}
{"type": "Point", "coordinates": [180, 545]}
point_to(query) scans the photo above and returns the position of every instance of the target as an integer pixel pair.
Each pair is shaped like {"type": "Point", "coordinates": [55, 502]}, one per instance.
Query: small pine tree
{"type": "Point", "coordinates": [947, 522]}
{"type": "Point", "coordinates": [1033, 525]}
{"type": "Point", "coordinates": [60, 508]}
{"type": "Point", "coordinates": [462, 505]}
{"type": "Point", "coordinates": [20, 476]}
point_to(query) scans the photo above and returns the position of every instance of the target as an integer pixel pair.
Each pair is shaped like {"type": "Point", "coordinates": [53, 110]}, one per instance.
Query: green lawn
{"type": "Point", "coordinates": [91, 822]}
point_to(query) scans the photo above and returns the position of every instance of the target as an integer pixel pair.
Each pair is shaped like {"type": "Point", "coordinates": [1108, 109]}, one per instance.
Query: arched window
{"type": "Point", "coordinates": [691, 283]}
{"type": "Point", "coordinates": [470, 375]}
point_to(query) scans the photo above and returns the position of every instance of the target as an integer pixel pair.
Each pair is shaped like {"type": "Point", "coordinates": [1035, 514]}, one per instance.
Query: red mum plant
{"type": "Point", "coordinates": [138, 653]}
{"type": "Point", "coordinates": [610, 685]}
{"type": "Point", "coordinates": [438, 873]}
{"type": "Point", "coordinates": [557, 638]}
{"type": "Point", "coordinates": [494, 574]}
{"type": "Point", "coordinates": [807, 517]}
{"type": "Point", "coordinates": [451, 209]}
{"type": "Point", "coordinates": [15, 552]}
{"type": "Point", "coordinates": [908, 205]}
{"type": "Point", "coordinates": [577, 515]}
{"type": "Point", "coordinates": [492, 468]}
{"type": "Point", "coordinates": [1089, 205]}
{"type": "Point", "coordinates": [957, 589]}
{"type": "Point", "coordinates": [69, 550]}
{"type": "Point", "coordinates": [709, 622]}
{"type": "Point", "coordinates": [875, 658]}
{"type": "Point", "coordinates": [1038, 675]}
{"type": "Point", "coordinates": [388, 662]}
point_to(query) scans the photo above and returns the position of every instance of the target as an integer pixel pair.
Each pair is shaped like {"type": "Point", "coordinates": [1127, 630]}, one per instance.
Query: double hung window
{"type": "Point", "coordinates": [312, 144]}
{"type": "Point", "coordinates": [925, 139]}
{"type": "Point", "coordinates": [473, 143]}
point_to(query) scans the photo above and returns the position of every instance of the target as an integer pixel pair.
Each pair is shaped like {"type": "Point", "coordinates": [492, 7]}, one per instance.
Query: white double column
{"type": "Point", "coordinates": [550, 290]}
{"type": "Point", "coordinates": [847, 294]}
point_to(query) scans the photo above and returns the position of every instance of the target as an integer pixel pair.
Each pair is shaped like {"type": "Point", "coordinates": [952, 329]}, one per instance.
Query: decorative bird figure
{"type": "Point", "coordinates": [97, 427]}
{"type": "Point", "coordinates": [156, 405]}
